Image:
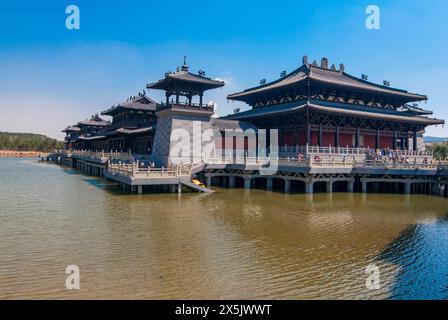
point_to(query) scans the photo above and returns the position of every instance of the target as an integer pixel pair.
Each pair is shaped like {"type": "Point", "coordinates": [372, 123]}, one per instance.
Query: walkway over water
{"type": "Point", "coordinates": [356, 168]}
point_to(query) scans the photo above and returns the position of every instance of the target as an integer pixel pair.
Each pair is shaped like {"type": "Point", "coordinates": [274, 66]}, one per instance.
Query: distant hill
{"type": "Point", "coordinates": [28, 142]}
{"type": "Point", "coordinates": [435, 139]}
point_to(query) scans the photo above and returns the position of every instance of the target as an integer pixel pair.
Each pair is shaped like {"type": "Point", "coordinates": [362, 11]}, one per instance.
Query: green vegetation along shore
{"type": "Point", "coordinates": [28, 142]}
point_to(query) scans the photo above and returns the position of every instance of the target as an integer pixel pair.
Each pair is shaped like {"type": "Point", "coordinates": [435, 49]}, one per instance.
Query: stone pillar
{"type": "Point", "coordinates": [309, 187]}
{"type": "Point", "coordinates": [364, 186]}
{"type": "Point", "coordinates": [179, 187]}
{"type": "Point", "coordinates": [269, 183]}
{"type": "Point", "coordinates": [329, 186]}
{"type": "Point", "coordinates": [231, 182]}
{"type": "Point", "coordinates": [200, 99]}
{"type": "Point", "coordinates": [287, 186]}
{"type": "Point", "coordinates": [407, 187]}
{"type": "Point", "coordinates": [140, 189]}
{"type": "Point", "coordinates": [350, 186]}
{"type": "Point", "coordinates": [209, 181]}
{"type": "Point", "coordinates": [247, 183]}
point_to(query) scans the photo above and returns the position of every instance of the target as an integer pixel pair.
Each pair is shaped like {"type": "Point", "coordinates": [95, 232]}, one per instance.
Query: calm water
{"type": "Point", "coordinates": [231, 244]}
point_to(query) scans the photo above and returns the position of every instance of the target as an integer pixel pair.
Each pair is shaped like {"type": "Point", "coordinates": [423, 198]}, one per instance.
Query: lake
{"type": "Point", "coordinates": [232, 244]}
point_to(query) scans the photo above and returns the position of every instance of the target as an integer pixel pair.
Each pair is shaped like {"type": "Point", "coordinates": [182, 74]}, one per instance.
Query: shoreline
{"type": "Point", "coordinates": [19, 154]}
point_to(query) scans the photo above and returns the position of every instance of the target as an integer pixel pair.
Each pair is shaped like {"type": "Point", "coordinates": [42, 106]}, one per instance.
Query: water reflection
{"type": "Point", "coordinates": [230, 244]}
{"type": "Point", "coordinates": [420, 253]}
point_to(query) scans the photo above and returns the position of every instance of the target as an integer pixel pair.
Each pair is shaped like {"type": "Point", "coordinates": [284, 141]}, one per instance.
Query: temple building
{"type": "Point", "coordinates": [325, 106]}
{"type": "Point", "coordinates": [71, 136]}
{"type": "Point", "coordinates": [90, 130]}
{"type": "Point", "coordinates": [315, 105]}
{"type": "Point", "coordinates": [133, 126]}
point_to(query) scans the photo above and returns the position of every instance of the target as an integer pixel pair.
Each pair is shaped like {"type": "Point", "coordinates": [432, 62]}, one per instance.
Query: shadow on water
{"type": "Point", "coordinates": [422, 259]}
{"type": "Point", "coordinates": [102, 184]}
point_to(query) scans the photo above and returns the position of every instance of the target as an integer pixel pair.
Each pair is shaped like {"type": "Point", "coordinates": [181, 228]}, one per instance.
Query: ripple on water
{"type": "Point", "coordinates": [231, 244]}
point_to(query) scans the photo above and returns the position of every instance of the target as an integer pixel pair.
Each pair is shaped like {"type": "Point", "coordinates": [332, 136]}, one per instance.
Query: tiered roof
{"type": "Point", "coordinates": [138, 103]}
{"type": "Point", "coordinates": [335, 108]}
{"type": "Point", "coordinates": [323, 76]}
{"type": "Point", "coordinates": [94, 121]}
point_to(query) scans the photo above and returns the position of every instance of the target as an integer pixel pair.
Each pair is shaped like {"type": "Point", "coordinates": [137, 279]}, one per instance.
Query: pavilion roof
{"type": "Point", "coordinates": [336, 108]}
{"type": "Point", "coordinates": [325, 76]}
{"type": "Point", "coordinates": [183, 78]}
{"type": "Point", "coordinates": [94, 121]}
{"type": "Point", "coordinates": [72, 129]}
{"type": "Point", "coordinates": [138, 103]}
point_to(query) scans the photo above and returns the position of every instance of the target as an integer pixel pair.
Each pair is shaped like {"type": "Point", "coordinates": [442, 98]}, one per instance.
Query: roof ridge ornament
{"type": "Point", "coordinates": [324, 63]}
{"type": "Point", "coordinates": [185, 66]}
{"type": "Point", "coordinates": [305, 60]}
{"type": "Point", "coordinates": [341, 67]}
{"type": "Point", "coordinates": [333, 67]}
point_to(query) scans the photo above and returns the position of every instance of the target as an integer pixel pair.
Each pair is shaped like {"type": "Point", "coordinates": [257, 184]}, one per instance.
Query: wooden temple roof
{"type": "Point", "coordinates": [325, 76]}
{"type": "Point", "coordinates": [335, 108]}
{"type": "Point", "coordinates": [134, 131]}
{"type": "Point", "coordinates": [139, 103]}
{"type": "Point", "coordinates": [223, 124]}
{"type": "Point", "coordinates": [91, 138]}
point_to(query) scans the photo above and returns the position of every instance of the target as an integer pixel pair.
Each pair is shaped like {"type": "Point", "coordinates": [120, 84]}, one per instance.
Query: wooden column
{"type": "Point", "coordinates": [336, 136]}
{"type": "Point", "coordinates": [377, 138]}
{"type": "Point", "coordinates": [320, 138]}
{"type": "Point", "coordinates": [357, 138]}
{"type": "Point", "coordinates": [414, 139]}
{"type": "Point", "coordinates": [200, 99]}
{"type": "Point", "coordinates": [394, 142]}
{"type": "Point", "coordinates": [308, 133]}
{"type": "Point", "coordinates": [406, 141]}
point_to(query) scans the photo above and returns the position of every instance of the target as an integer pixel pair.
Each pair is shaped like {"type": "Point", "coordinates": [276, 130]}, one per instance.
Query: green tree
{"type": "Point", "coordinates": [28, 142]}
{"type": "Point", "coordinates": [440, 150]}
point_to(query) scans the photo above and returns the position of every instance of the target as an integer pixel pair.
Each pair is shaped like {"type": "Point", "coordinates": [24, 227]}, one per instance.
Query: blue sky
{"type": "Point", "coordinates": [51, 76]}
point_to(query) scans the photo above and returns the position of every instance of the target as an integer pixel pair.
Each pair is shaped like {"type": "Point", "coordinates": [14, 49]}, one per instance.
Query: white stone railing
{"type": "Point", "coordinates": [134, 171]}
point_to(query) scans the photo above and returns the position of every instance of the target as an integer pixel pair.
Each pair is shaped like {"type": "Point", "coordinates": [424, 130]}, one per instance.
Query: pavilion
{"type": "Point", "coordinates": [321, 106]}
